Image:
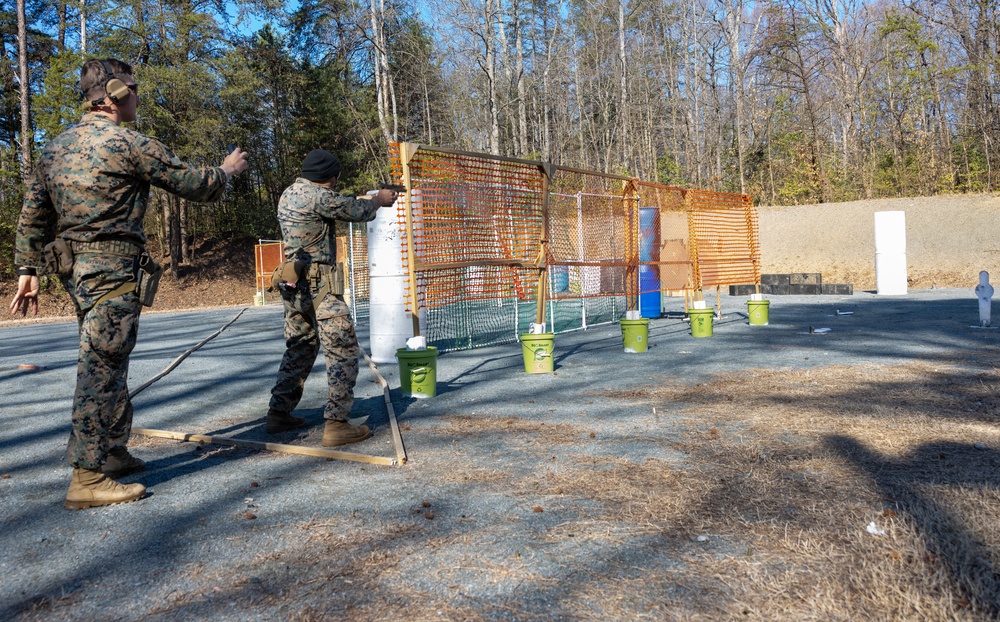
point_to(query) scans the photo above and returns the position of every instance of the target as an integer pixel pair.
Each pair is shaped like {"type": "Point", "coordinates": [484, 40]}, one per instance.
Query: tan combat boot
{"type": "Point", "coordinates": [277, 422]}
{"type": "Point", "coordinates": [341, 433]}
{"type": "Point", "coordinates": [121, 462]}
{"type": "Point", "coordinates": [89, 488]}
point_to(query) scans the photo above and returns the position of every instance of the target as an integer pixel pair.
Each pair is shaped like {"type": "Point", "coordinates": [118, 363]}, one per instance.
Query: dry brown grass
{"type": "Point", "coordinates": [528, 429]}
{"type": "Point", "coordinates": [765, 514]}
{"type": "Point", "coordinates": [756, 510]}
{"type": "Point", "coordinates": [789, 468]}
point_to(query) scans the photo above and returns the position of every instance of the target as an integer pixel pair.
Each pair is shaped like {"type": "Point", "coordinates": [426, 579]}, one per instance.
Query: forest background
{"type": "Point", "coordinates": [791, 101]}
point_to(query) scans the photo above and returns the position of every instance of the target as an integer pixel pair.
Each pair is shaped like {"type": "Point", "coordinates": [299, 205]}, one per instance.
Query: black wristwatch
{"type": "Point", "coordinates": [24, 271]}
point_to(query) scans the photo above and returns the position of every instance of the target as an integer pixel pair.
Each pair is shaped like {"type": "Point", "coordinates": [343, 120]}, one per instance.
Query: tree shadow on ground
{"type": "Point", "coordinates": [943, 464]}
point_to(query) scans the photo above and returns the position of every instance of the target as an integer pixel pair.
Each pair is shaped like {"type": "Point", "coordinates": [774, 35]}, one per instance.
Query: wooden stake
{"type": "Point", "coordinates": [177, 361]}
{"type": "Point", "coordinates": [547, 169]}
{"type": "Point", "coordinates": [279, 447]}
{"type": "Point", "coordinates": [397, 438]}
{"type": "Point", "coordinates": [406, 152]}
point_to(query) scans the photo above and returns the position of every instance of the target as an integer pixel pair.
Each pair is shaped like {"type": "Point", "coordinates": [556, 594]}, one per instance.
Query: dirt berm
{"type": "Point", "coordinates": [949, 239]}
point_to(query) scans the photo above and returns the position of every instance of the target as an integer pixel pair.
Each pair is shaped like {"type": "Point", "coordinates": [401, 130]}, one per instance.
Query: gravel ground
{"type": "Point", "coordinates": [236, 534]}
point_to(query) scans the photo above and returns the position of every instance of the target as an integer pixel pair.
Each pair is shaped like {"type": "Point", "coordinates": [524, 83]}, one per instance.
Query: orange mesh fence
{"type": "Point", "coordinates": [592, 241]}
{"type": "Point", "coordinates": [485, 229]}
{"type": "Point", "coordinates": [724, 238]}
{"type": "Point", "coordinates": [666, 265]}
{"type": "Point", "coordinates": [477, 224]}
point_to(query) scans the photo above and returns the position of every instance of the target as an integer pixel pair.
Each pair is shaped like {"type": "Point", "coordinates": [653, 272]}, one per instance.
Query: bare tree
{"type": "Point", "coordinates": [83, 26]}
{"type": "Point", "coordinates": [472, 34]}
{"type": "Point", "coordinates": [25, 92]}
{"type": "Point", "coordinates": [623, 91]}
{"type": "Point", "coordinates": [522, 87]}
{"type": "Point", "coordinates": [741, 39]}
{"type": "Point", "coordinates": [384, 87]}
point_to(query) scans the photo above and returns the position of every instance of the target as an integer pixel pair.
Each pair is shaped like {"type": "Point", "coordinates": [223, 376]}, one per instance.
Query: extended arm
{"type": "Point", "coordinates": [163, 169]}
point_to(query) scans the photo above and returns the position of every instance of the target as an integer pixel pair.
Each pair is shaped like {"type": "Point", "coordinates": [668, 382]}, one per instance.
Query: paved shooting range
{"type": "Point", "coordinates": [841, 426]}
{"type": "Point", "coordinates": [598, 407]}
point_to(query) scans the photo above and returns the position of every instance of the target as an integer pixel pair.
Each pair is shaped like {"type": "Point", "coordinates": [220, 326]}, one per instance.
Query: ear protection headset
{"type": "Point", "coordinates": [117, 91]}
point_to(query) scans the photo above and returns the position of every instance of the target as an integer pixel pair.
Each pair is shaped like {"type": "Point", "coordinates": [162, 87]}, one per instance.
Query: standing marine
{"type": "Point", "coordinates": [311, 282]}
{"type": "Point", "coordinates": [82, 220]}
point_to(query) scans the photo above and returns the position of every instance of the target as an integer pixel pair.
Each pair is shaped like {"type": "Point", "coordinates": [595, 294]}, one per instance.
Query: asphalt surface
{"type": "Point", "coordinates": [159, 558]}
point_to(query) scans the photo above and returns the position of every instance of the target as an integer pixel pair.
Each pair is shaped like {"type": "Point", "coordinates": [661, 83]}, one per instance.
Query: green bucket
{"type": "Point", "coordinates": [701, 322]}
{"type": "Point", "coordinates": [757, 310]}
{"type": "Point", "coordinates": [537, 350]}
{"type": "Point", "coordinates": [635, 335]}
{"type": "Point", "coordinates": [418, 372]}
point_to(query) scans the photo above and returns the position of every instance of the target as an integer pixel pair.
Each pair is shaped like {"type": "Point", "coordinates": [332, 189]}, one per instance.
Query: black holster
{"type": "Point", "coordinates": [148, 277]}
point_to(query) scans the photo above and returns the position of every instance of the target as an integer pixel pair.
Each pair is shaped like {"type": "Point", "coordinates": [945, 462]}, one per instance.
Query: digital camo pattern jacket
{"type": "Point", "coordinates": [307, 213]}
{"type": "Point", "coordinates": [92, 183]}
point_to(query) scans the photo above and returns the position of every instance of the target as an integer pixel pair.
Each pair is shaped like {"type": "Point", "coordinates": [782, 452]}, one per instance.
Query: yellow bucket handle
{"type": "Point", "coordinates": [539, 354]}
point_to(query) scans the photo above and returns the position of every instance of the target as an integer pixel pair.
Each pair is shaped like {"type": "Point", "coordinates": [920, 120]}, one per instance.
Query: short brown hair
{"type": "Point", "coordinates": [93, 77]}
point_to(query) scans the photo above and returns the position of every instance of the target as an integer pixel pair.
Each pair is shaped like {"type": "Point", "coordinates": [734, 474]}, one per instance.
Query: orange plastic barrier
{"type": "Point", "coordinates": [477, 224]}
{"type": "Point", "coordinates": [594, 244]}
{"type": "Point", "coordinates": [267, 256]}
{"type": "Point", "coordinates": [479, 227]}
{"type": "Point", "coordinates": [725, 238]}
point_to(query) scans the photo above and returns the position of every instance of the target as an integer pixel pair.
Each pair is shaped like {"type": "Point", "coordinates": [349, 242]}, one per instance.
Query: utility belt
{"type": "Point", "coordinates": [322, 278]}
{"type": "Point", "coordinates": [145, 280]}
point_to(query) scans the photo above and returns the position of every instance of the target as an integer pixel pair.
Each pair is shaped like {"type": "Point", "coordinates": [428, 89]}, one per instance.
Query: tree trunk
{"type": "Point", "coordinates": [550, 46]}
{"type": "Point", "coordinates": [61, 37]}
{"type": "Point", "coordinates": [504, 57]}
{"type": "Point", "coordinates": [183, 221]}
{"type": "Point", "coordinates": [522, 92]}
{"type": "Point", "coordinates": [163, 223]}
{"type": "Point", "coordinates": [623, 103]}
{"type": "Point", "coordinates": [22, 58]}
{"type": "Point", "coordinates": [427, 112]}
{"type": "Point", "coordinates": [733, 28]}
{"type": "Point", "coordinates": [83, 26]}
{"type": "Point", "coordinates": [383, 86]}
{"type": "Point", "coordinates": [174, 232]}
{"type": "Point", "coordinates": [491, 76]}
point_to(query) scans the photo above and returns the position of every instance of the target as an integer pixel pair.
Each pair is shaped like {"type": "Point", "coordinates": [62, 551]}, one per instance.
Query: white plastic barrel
{"type": "Point", "coordinates": [390, 324]}
{"type": "Point", "coordinates": [890, 253]}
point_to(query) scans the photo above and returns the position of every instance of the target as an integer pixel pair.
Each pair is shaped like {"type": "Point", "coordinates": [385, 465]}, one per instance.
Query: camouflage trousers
{"type": "Point", "coordinates": [102, 411]}
{"type": "Point", "coordinates": [306, 329]}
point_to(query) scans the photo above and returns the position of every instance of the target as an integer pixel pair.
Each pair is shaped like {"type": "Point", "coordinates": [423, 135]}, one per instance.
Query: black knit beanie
{"type": "Point", "coordinates": [320, 165]}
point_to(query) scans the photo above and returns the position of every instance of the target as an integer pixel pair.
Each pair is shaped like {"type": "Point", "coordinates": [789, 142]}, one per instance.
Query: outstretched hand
{"type": "Point", "coordinates": [26, 296]}
{"type": "Point", "coordinates": [384, 197]}
{"type": "Point", "coordinates": [235, 163]}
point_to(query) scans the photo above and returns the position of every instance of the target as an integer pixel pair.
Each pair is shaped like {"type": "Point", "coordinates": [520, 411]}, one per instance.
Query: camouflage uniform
{"type": "Point", "coordinates": [307, 213]}
{"type": "Point", "coordinates": [91, 185]}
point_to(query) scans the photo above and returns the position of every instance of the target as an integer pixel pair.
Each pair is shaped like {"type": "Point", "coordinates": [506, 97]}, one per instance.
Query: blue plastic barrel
{"type": "Point", "coordinates": [649, 234]}
{"type": "Point", "coordinates": [649, 250]}
{"type": "Point", "coordinates": [560, 278]}
{"type": "Point", "coordinates": [649, 291]}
